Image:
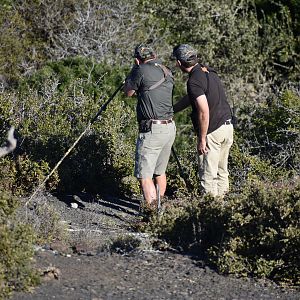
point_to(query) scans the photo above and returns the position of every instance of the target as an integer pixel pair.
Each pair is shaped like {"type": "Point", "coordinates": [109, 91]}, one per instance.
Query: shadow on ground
{"type": "Point", "coordinates": [124, 204]}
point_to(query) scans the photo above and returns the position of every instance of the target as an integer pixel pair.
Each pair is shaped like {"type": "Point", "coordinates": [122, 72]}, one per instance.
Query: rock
{"type": "Point", "coordinates": [74, 205]}
{"type": "Point", "coordinates": [51, 273]}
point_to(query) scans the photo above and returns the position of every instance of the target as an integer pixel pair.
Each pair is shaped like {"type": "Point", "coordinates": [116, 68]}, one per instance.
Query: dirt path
{"type": "Point", "coordinates": [99, 273]}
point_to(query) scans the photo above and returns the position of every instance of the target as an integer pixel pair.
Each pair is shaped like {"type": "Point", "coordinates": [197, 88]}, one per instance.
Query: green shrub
{"type": "Point", "coordinates": [56, 106]}
{"type": "Point", "coordinates": [16, 250]}
{"type": "Point", "coordinates": [251, 232]}
{"type": "Point", "coordinates": [244, 166]}
{"type": "Point", "coordinates": [89, 75]}
{"type": "Point", "coordinates": [271, 130]}
{"type": "Point", "coordinates": [263, 235]}
{"type": "Point", "coordinates": [124, 244]}
{"type": "Point", "coordinates": [175, 225]}
{"type": "Point", "coordinates": [45, 220]}
{"type": "Point", "coordinates": [183, 176]}
{"type": "Point", "coordinates": [21, 175]}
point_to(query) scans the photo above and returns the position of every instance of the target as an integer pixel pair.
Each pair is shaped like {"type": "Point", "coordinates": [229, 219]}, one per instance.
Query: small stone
{"type": "Point", "coordinates": [74, 205]}
{"type": "Point", "coordinates": [51, 273]}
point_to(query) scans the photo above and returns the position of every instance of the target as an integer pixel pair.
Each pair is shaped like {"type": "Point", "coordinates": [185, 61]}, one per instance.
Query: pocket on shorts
{"type": "Point", "coordinates": [144, 138]}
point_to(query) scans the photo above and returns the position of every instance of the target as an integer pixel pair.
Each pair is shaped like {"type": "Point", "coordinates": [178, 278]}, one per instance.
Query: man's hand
{"type": "Point", "coordinates": [202, 149]}
{"type": "Point", "coordinates": [128, 90]}
{"type": "Point", "coordinates": [204, 69]}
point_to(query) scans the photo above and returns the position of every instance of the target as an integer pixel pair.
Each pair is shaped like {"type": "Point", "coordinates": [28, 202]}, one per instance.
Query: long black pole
{"type": "Point", "coordinates": [103, 107]}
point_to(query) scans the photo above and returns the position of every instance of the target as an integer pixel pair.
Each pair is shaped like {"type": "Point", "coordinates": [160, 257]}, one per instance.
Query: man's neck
{"type": "Point", "coordinates": [188, 70]}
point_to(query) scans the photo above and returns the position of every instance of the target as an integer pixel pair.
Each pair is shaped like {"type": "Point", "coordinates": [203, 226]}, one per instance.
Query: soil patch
{"type": "Point", "coordinates": [94, 268]}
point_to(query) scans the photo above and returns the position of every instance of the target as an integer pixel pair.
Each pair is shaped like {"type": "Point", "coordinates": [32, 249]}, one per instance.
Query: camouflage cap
{"type": "Point", "coordinates": [184, 52]}
{"type": "Point", "coordinates": [143, 51]}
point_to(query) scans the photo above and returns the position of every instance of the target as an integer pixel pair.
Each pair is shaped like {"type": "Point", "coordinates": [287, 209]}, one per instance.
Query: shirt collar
{"type": "Point", "coordinates": [196, 67]}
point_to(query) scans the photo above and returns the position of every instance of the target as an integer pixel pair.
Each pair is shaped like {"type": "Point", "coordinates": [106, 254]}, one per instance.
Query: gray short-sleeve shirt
{"type": "Point", "coordinates": [156, 103]}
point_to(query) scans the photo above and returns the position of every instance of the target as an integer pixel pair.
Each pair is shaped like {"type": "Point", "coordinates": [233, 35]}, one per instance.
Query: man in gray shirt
{"type": "Point", "coordinates": [152, 83]}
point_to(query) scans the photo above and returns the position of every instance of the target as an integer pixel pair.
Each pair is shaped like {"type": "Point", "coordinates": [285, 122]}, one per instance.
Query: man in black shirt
{"type": "Point", "coordinates": [153, 84]}
{"type": "Point", "coordinates": [211, 115]}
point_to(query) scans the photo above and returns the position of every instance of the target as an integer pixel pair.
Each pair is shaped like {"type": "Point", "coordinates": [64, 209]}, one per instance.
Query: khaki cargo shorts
{"type": "Point", "coordinates": [153, 150]}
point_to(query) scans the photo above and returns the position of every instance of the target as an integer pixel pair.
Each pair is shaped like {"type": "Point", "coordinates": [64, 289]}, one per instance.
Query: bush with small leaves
{"type": "Point", "coordinates": [253, 231]}
{"type": "Point", "coordinates": [54, 106]}
{"type": "Point", "coordinates": [271, 130]}
{"type": "Point", "coordinates": [262, 232]}
{"type": "Point", "coordinates": [21, 175]}
{"type": "Point", "coordinates": [16, 250]}
{"type": "Point", "coordinates": [124, 244]}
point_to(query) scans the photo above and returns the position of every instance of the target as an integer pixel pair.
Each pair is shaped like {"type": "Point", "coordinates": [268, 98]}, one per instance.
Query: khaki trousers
{"type": "Point", "coordinates": [213, 166]}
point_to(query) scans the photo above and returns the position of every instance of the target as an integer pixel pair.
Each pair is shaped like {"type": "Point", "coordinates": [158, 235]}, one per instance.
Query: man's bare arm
{"type": "Point", "coordinates": [128, 91]}
{"type": "Point", "coordinates": [203, 119]}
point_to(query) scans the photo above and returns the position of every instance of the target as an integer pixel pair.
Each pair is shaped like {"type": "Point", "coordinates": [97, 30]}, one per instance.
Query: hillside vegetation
{"type": "Point", "coordinates": [61, 60]}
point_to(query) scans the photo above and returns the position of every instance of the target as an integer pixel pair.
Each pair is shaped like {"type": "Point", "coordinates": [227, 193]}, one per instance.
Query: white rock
{"type": "Point", "coordinates": [74, 205]}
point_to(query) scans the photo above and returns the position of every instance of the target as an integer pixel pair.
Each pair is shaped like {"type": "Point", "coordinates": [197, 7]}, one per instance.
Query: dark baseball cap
{"type": "Point", "coordinates": [184, 52]}
{"type": "Point", "coordinates": [143, 51]}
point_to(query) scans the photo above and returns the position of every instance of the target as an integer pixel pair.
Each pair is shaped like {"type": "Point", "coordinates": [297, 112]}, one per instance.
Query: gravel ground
{"type": "Point", "coordinates": [90, 270]}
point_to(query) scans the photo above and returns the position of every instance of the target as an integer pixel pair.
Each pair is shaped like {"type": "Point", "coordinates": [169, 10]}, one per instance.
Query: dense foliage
{"type": "Point", "coordinates": [16, 251]}
{"type": "Point", "coordinates": [255, 232]}
{"type": "Point", "coordinates": [56, 105]}
{"type": "Point", "coordinates": [61, 60]}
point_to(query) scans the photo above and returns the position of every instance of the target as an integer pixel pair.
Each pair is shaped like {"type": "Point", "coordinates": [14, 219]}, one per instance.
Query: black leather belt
{"type": "Point", "coordinates": [161, 121]}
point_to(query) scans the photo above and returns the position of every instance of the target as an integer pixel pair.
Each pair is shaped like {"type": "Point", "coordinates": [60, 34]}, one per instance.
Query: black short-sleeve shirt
{"type": "Point", "coordinates": [209, 84]}
{"type": "Point", "coordinates": [156, 103]}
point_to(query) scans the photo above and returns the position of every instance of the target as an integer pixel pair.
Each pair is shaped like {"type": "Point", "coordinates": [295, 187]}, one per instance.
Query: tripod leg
{"type": "Point", "coordinates": [158, 198]}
